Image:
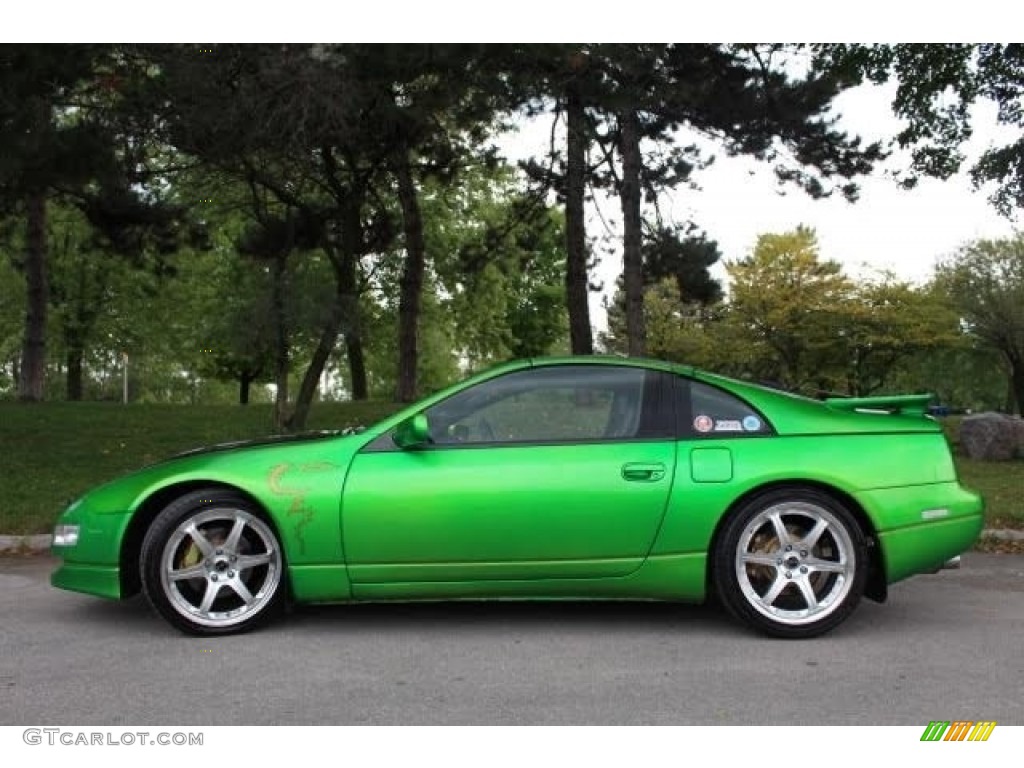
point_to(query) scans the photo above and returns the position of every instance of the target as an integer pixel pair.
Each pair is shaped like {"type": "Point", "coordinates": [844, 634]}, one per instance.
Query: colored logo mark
{"type": "Point", "coordinates": [958, 730]}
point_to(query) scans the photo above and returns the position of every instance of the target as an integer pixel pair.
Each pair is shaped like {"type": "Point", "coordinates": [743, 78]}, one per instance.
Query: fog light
{"type": "Point", "coordinates": [65, 535]}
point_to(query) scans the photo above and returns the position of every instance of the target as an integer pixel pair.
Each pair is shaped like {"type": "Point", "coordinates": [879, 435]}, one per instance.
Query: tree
{"type": "Point", "coordinates": [239, 329]}
{"type": "Point", "coordinates": [788, 302]}
{"type": "Point", "coordinates": [81, 278]}
{"type": "Point", "coordinates": [686, 259]}
{"type": "Point", "coordinates": [293, 126]}
{"type": "Point", "coordinates": [885, 322]}
{"type": "Point", "coordinates": [503, 275]}
{"type": "Point", "coordinates": [938, 84]}
{"type": "Point", "coordinates": [746, 99]}
{"type": "Point", "coordinates": [676, 330]}
{"type": "Point", "coordinates": [812, 327]}
{"type": "Point", "coordinates": [41, 149]}
{"type": "Point", "coordinates": [72, 136]}
{"type": "Point", "coordinates": [438, 364]}
{"type": "Point", "coordinates": [679, 296]}
{"type": "Point", "coordinates": [966, 374]}
{"type": "Point", "coordinates": [566, 79]}
{"type": "Point", "coordinates": [12, 309]}
{"type": "Point", "coordinates": [438, 109]}
{"type": "Point", "coordinates": [343, 137]}
{"type": "Point", "coordinates": [986, 281]}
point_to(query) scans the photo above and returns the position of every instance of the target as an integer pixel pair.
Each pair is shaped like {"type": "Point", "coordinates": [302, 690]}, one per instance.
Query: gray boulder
{"type": "Point", "coordinates": [992, 436]}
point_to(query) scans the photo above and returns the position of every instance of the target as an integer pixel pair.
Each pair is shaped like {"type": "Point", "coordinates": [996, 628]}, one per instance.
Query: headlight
{"type": "Point", "coordinates": [65, 535]}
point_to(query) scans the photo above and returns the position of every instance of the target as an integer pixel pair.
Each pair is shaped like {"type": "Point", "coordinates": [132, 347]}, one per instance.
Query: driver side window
{"type": "Point", "coordinates": [549, 404]}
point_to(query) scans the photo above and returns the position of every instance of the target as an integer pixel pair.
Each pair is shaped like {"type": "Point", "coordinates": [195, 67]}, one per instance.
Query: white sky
{"type": "Point", "coordinates": [891, 228]}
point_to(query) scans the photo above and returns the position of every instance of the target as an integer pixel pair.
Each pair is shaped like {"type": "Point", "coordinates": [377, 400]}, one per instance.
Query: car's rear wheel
{"type": "Point", "coordinates": [791, 563]}
{"type": "Point", "coordinates": [212, 565]}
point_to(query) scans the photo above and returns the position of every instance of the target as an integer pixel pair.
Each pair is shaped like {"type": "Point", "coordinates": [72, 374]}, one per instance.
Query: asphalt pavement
{"type": "Point", "coordinates": [945, 647]}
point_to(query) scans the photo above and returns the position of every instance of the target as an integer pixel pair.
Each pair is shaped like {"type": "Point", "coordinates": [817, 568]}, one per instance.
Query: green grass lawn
{"type": "Point", "coordinates": [1002, 485]}
{"type": "Point", "coordinates": [51, 453]}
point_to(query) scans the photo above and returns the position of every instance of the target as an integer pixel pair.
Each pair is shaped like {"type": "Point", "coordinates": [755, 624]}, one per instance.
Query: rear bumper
{"type": "Point", "coordinates": [101, 580]}
{"type": "Point", "coordinates": [920, 527]}
{"type": "Point", "coordinates": [928, 547]}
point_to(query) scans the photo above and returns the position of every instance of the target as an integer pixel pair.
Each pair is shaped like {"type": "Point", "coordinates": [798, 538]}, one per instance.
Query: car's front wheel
{"type": "Point", "coordinates": [791, 563]}
{"type": "Point", "coordinates": [212, 565]}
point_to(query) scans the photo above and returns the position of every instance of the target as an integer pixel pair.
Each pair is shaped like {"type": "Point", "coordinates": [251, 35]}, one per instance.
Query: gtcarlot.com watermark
{"type": "Point", "coordinates": [62, 737]}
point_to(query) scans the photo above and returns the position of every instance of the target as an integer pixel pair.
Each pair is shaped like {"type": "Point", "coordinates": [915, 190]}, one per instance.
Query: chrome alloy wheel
{"type": "Point", "coordinates": [220, 567]}
{"type": "Point", "coordinates": [795, 563]}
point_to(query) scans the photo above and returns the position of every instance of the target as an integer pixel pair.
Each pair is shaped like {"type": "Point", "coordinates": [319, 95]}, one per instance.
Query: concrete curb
{"type": "Point", "coordinates": [40, 542]}
{"type": "Point", "coordinates": [1003, 534]}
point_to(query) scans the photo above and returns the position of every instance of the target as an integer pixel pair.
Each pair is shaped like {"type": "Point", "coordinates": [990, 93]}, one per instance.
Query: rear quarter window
{"type": "Point", "coordinates": [711, 412]}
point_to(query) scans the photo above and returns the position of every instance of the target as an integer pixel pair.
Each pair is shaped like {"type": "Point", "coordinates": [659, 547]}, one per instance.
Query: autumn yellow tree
{"type": "Point", "coordinates": [887, 321]}
{"type": "Point", "coordinates": [790, 305]}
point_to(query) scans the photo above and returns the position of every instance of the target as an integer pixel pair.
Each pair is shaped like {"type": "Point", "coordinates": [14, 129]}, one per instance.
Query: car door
{"type": "Point", "coordinates": [548, 472]}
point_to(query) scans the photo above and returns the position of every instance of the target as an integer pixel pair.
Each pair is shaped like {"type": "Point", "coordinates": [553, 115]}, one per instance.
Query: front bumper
{"type": "Point", "coordinates": [102, 580]}
{"type": "Point", "coordinates": [91, 563]}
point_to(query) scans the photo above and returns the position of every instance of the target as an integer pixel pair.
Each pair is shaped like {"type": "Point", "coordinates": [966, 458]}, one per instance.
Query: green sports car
{"type": "Point", "coordinates": [547, 478]}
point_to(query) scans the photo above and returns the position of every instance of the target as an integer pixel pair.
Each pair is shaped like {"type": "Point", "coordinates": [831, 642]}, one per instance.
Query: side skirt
{"type": "Point", "coordinates": [661, 577]}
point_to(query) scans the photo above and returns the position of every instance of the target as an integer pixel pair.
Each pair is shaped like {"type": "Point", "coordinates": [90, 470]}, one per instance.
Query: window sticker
{"type": "Point", "coordinates": [703, 423]}
{"type": "Point", "coordinates": [728, 425]}
{"type": "Point", "coordinates": [751, 423]}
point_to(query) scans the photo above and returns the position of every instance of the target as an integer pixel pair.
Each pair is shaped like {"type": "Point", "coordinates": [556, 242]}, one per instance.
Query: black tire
{"type": "Point", "coordinates": [799, 592]}
{"type": "Point", "coordinates": [212, 564]}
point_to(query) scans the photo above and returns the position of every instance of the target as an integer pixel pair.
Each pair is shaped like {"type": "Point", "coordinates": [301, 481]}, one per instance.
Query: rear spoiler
{"type": "Point", "coordinates": [909, 405]}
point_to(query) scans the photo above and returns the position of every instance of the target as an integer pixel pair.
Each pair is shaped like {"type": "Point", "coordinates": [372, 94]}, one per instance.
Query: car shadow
{"type": "Point", "coordinates": [135, 615]}
{"type": "Point", "coordinates": [458, 614]}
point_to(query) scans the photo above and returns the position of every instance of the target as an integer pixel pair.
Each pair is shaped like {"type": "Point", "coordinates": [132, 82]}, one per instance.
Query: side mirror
{"type": "Point", "coordinates": [412, 433]}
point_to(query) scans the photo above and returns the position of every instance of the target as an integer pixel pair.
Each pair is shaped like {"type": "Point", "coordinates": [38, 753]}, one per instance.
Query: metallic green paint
{"type": "Point", "coordinates": [101, 580]}
{"type": "Point", "coordinates": [915, 405]}
{"type": "Point", "coordinates": [320, 583]}
{"type": "Point", "coordinates": [510, 512]}
{"type": "Point", "coordinates": [661, 577]}
{"type": "Point", "coordinates": [794, 415]}
{"type": "Point", "coordinates": [414, 432]}
{"type": "Point", "coordinates": [608, 519]}
{"type": "Point", "coordinates": [924, 548]}
{"type": "Point", "coordinates": [711, 465]}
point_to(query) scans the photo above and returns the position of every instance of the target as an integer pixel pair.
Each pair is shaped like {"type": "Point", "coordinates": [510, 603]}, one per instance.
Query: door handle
{"type": "Point", "coordinates": [643, 473]}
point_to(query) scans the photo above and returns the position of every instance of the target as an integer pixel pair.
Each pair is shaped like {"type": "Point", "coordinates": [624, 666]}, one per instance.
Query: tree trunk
{"type": "Point", "coordinates": [576, 279]}
{"type": "Point", "coordinates": [244, 384]}
{"type": "Point", "coordinates": [75, 353]}
{"type": "Point", "coordinates": [340, 310]}
{"type": "Point", "coordinates": [632, 260]}
{"type": "Point", "coordinates": [357, 366]}
{"type": "Point", "coordinates": [33, 351]}
{"type": "Point", "coordinates": [354, 348]}
{"type": "Point", "coordinates": [281, 351]}
{"type": "Point", "coordinates": [344, 311]}
{"type": "Point", "coordinates": [310, 379]}
{"type": "Point", "coordinates": [1016, 386]}
{"type": "Point", "coordinates": [411, 284]}
{"type": "Point", "coordinates": [352, 243]}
